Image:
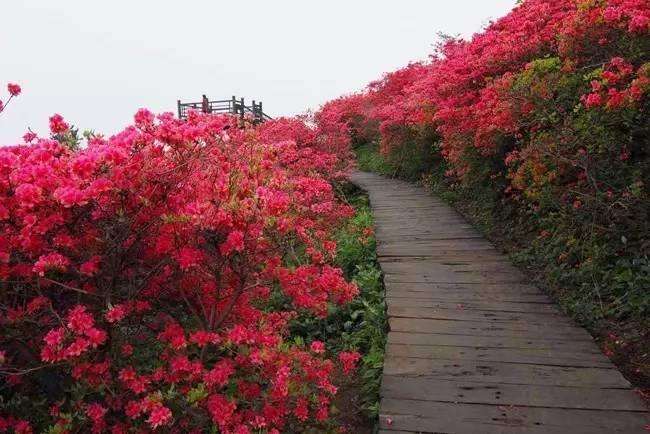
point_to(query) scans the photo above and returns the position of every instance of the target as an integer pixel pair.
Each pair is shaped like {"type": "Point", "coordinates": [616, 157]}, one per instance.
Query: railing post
{"type": "Point", "coordinates": [241, 109]}
{"type": "Point", "coordinates": [254, 111]}
{"type": "Point", "coordinates": [205, 106]}
{"type": "Point", "coordinates": [261, 111]}
{"type": "Point", "coordinates": [179, 108]}
{"type": "Point", "coordinates": [233, 106]}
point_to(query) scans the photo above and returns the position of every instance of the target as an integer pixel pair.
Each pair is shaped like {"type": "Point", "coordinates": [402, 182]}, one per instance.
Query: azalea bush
{"type": "Point", "coordinates": [361, 324]}
{"type": "Point", "coordinates": [540, 120]}
{"type": "Point", "coordinates": [137, 274]}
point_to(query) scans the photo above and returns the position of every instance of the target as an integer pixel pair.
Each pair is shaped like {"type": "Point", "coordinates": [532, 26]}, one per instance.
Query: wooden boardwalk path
{"type": "Point", "coordinates": [473, 347]}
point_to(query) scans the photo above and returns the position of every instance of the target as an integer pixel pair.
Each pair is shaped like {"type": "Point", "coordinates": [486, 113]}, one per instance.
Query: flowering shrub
{"type": "Point", "coordinates": [361, 324]}
{"type": "Point", "coordinates": [136, 274]}
{"type": "Point", "coordinates": [323, 149]}
{"type": "Point", "coordinates": [463, 90]}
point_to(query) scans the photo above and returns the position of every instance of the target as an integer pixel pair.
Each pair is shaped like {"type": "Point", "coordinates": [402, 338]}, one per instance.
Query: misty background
{"type": "Point", "coordinates": [97, 62]}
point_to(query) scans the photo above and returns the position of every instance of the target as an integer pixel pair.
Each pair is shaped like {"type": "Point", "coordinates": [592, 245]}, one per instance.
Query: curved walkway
{"type": "Point", "coordinates": [473, 347]}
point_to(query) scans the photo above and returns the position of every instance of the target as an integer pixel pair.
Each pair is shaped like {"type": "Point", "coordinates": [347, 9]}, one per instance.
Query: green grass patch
{"type": "Point", "coordinates": [368, 326]}
{"type": "Point", "coordinates": [369, 160]}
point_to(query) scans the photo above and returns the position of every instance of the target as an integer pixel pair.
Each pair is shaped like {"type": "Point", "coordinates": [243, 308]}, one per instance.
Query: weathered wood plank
{"type": "Point", "coordinates": [488, 306]}
{"type": "Point", "coordinates": [393, 289]}
{"type": "Point", "coordinates": [486, 329]}
{"type": "Point", "coordinates": [448, 258]}
{"type": "Point", "coordinates": [442, 417]}
{"type": "Point", "coordinates": [441, 339]}
{"type": "Point", "coordinates": [461, 314]}
{"type": "Point", "coordinates": [545, 356]}
{"type": "Point", "coordinates": [467, 297]}
{"type": "Point", "coordinates": [472, 392]}
{"type": "Point", "coordinates": [409, 246]}
{"type": "Point", "coordinates": [504, 373]}
{"type": "Point", "coordinates": [451, 277]}
{"type": "Point", "coordinates": [471, 288]}
{"type": "Point", "coordinates": [457, 270]}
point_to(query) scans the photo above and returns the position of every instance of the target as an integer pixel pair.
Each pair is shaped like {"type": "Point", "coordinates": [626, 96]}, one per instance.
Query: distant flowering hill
{"type": "Point", "coordinates": [470, 91]}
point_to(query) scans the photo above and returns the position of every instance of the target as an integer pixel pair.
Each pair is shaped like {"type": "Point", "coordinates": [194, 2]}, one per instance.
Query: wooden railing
{"type": "Point", "coordinates": [234, 106]}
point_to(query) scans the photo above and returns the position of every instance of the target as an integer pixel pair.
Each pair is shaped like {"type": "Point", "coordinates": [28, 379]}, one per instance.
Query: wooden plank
{"type": "Point", "coordinates": [442, 339]}
{"type": "Point", "coordinates": [466, 297]}
{"type": "Point", "coordinates": [443, 417]}
{"type": "Point", "coordinates": [544, 356]}
{"type": "Point", "coordinates": [488, 306]}
{"type": "Point", "coordinates": [453, 268]}
{"type": "Point", "coordinates": [429, 262]}
{"type": "Point", "coordinates": [465, 241]}
{"type": "Point", "coordinates": [427, 215]}
{"type": "Point", "coordinates": [504, 373]}
{"type": "Point", "coordinates": [451, 277]}
{"type": "Point", "coordinates": [386, 250]}
{"type": "Point", "coordinates": [471, 288]}
{"type": "Point", "coordinates": [461, 314]}
{"type": "Point", "coordinates": [426, 221]}
{"type": "Point", "coordinates": [451, 274]}
{"type": "Point", "coordinates": [434, 245]}
{"type": "Point", "coordinates": [487, 329]}
{"type": "Point", "coordinates": [448, 256]}
{"type": "Point", "coordinates": [472, 392]}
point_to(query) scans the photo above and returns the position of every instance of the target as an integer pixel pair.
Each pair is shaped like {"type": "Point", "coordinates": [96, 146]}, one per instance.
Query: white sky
{"type": "Point", "coordinates": [97, 61]}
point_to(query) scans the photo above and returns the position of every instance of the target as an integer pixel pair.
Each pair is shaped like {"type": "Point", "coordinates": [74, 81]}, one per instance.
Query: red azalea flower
{"type": "Point", "coordinates": [14, 89]}
{"type": "Point", "coordinates": [58, 125]}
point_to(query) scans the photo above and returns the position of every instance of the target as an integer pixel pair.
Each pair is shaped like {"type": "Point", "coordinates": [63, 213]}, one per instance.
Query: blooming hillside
{"type": "Point", "coordinates": [542, 121]}
{"type": "Point", "coordinates": [148, 278]}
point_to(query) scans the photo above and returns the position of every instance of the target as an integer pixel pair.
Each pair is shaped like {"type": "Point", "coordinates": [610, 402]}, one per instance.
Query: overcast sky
{"type": "Point", "coordinates": [96, 62]}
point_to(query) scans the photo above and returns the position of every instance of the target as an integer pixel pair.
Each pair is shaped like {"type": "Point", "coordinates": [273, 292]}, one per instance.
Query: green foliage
{"type": "Point", "coordinates": [70, 138]}
{"type": "Point", "coordinates": [594, 209]}
{"type": "Point", "coordinates": [369, 160]}
{"type": "Point", "coordinates": [415, 155]}
{"type": "Point", "coordinates": [197, 394]}
{"type": "Point", "coordinates": [357, 256]}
